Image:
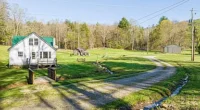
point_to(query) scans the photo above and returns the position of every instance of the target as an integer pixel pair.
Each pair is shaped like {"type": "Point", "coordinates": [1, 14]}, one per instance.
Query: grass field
{"type": "Point", "coordinates": [187, 99]}
{"type": "Point", "coordinates": [121, 62]}
{"type": "Point", "coordinates": [124, 64]}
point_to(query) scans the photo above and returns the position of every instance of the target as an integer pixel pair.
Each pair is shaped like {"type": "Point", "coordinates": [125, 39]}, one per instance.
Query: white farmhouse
{"type": "Point", "coordinates": [32, 50]}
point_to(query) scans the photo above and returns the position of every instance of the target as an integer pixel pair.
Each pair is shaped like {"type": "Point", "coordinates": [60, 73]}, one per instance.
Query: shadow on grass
{"type": "Point", "coordinates": [87, 71]}
{"type": "Point", "coordinates": [128, 58]}
{"type": "Point", "coordinates": [45, 102]}
{"type": "Point", "coordinates": [86, 93]}
{"type": "Point", "coordinates": [10, 75]}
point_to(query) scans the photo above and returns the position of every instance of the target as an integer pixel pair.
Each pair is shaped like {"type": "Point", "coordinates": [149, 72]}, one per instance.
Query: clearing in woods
{"type": "Point", "coordinates": [91, 84]}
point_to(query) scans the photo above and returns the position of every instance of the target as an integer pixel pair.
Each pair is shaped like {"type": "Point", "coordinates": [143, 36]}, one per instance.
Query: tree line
{"type": "Point", "coordinates": [126, 34]}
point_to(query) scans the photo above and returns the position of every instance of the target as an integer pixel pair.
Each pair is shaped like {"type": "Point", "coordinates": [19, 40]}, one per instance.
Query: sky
{"type": "Point", "coordinates": [107, 11]}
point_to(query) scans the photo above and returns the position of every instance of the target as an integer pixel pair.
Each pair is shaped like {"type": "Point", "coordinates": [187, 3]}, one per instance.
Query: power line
{"type": "Point", "coordinates": [161, 9]}
{"type": "Point", "coordinates": [164, 12]}
{"type": "Point", "coordinates": [171, 7]}
{"type": "Point", "coordinates": [175, 4]}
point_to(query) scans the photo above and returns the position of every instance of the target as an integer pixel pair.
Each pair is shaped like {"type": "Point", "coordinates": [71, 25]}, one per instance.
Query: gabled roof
{"type": "Point", "coordinates": [47, 39]}
{"type": "Point", "coordinates": [17, 39]}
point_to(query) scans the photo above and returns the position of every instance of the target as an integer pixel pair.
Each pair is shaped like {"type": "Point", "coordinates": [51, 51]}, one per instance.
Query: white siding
{"type": "Point", "coordinates": [27, 50]}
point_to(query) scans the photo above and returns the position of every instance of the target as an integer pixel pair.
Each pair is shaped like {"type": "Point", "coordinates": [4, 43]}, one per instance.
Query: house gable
{"type": "Point", "coordinates": [18, 39]}
{"type": "Point", "coordinates": [32, 50]}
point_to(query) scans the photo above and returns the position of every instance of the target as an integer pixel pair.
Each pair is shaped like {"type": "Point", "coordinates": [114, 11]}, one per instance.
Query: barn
{"type": "Point", "coordinates": [32, 50]}
{"type": "Point", "coordinates": [172, 49]}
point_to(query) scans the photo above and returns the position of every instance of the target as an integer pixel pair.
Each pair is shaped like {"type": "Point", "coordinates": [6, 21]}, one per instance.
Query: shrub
{"type": "Point", "coordinates": [198, 49]}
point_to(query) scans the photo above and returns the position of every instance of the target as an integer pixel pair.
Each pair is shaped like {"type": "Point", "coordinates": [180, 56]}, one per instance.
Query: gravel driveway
{"type": "Point", "coordinates": [86, 95]}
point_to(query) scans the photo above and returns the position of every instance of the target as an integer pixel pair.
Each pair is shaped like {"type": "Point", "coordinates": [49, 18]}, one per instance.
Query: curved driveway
{"type": "Point", "coordinates": [88, 95]}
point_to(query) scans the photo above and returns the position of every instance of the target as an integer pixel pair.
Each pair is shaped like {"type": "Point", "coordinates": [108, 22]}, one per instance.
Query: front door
{"type": "Point", "coordinates": [34, 58]}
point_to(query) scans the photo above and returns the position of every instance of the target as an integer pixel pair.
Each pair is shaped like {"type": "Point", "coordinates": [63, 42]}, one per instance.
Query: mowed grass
{"type": "Point", "coordinates": [121, 62]}
{"type": "Point", "coordinates": [188, 97]}
{"type": "Point", "coordinates": [190, 94]}
{"type": "Point", "coordinates": [124, 64]}
{"type": "Point", "coordinates": [9, 76]}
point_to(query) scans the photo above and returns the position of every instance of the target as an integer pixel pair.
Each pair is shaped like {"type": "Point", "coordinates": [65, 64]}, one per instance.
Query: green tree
{"type": "Point", "coordinates": [198, 49]}
{"type": "Point", "coordinates": [197, 31]}
{"type": "Point", "coordinates": [162, 19]}
{"type": "Point", "coordinates": [3, 18]}
{"type": "Point", "coordinates": [97, 34]}
{"type": "Point", "coordinates": [124, 24]}
{"type": "Point", "coordinates": [85, 34]}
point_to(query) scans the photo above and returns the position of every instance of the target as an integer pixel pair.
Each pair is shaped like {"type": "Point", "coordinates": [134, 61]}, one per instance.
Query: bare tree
{"type": "Point", "coordinates": [17, 15]}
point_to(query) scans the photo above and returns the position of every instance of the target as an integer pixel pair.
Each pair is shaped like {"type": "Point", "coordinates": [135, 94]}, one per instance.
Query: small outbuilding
{"type": "Point", "coordinates": [172, 49]}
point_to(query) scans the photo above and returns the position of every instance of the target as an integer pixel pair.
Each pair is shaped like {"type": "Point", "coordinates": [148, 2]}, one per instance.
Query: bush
{"type": "Point", "coordinates": [198, 49]}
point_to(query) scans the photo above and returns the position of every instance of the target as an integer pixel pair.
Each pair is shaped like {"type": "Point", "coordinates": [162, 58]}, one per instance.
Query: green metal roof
{"type": "Point", "coordinates": [17, 39]}
{"type": "Point", "coordinates": [48, 39]}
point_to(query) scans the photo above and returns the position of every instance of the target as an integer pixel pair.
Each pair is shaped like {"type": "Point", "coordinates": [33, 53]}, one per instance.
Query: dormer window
{"type": "Point", "coordinates": [35, 41]}
{"type": "Point", "coordinates": [30, 41]}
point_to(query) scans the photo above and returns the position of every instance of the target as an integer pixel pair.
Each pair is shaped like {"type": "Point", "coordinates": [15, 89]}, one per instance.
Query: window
{"type": "Point", "coordinates": [45, 54]}
{"type": "Point", "coordinates": [30, 41]}
{"type": "Point", "coordinates": [33, 55]}
{"type": "Point", "coordinates": [35, 41]}
{"type": "Point", "coordinates": [40, 54]}
{"type": "Point", "coordinates": [20, 54]}
{"type": "Point", "coordinates": [49, 54]}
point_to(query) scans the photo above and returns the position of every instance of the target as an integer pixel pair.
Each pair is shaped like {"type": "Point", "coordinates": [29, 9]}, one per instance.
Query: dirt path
{"type": "Point", "coordinates": [90, 95]}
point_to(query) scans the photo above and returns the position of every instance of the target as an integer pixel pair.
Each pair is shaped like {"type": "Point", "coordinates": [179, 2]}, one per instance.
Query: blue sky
{"type": "Point", "coordinates": [105, 11]}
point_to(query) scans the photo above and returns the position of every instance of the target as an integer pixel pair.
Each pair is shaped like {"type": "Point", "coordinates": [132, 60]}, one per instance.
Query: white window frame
{"type": "Point", "coordinates": [36, 43]}
{"type": "Point", "coordinates": [41, 53]}
{"type": "Point", "coordinates": [49, 54]}
{"type": "Point", "coordinates": [34, 55]}
{"type": "Point", "coordinates": [30, 41]}
{"type": "Point", "coordinates": [20, 54]}
{"type": "Point", "coordinates": [44, 55]}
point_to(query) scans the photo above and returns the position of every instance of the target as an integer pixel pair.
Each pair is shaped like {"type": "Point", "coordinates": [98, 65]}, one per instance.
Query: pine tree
{"type": "Point", "coordinates": [124, 24]}
{"type": "Point", "coordinates": [162, 19]}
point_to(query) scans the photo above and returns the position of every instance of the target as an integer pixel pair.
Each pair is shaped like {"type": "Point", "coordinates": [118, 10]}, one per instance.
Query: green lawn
{"type": "Point", "coordinates": [124, 64]}
{"type": "Point", "coordinates": [9, 76]}
{"type": "Point", "coordinates": [121, 62]}
{"type": "Point", "coordinates": [190, 94]}
{"type": "Point", "coordinates": [187, 99]}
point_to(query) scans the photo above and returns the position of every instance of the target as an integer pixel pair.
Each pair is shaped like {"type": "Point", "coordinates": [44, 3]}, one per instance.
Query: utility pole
{"type": "Point", "coordinates": [192, 23]}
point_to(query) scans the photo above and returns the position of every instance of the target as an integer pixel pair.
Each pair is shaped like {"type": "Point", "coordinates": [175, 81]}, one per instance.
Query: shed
{"type": "Point", "coordinates": [172, 49]}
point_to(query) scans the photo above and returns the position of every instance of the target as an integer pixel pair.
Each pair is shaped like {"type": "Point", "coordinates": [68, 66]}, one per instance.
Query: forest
{"type": "Point", "coordinates": [125, 34]}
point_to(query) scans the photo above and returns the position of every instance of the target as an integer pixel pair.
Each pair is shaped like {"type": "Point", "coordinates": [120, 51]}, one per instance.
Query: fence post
{"type": "Point", "coordinates": [31, 76]}
{"type": "Point", "coordinates": [49, 72]}
{"type": "Point", "coordinates": [53, 73]}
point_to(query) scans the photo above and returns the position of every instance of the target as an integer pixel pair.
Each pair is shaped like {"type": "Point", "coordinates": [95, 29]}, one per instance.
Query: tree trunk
{"type": "Point", "coordinates": [132, 36]}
